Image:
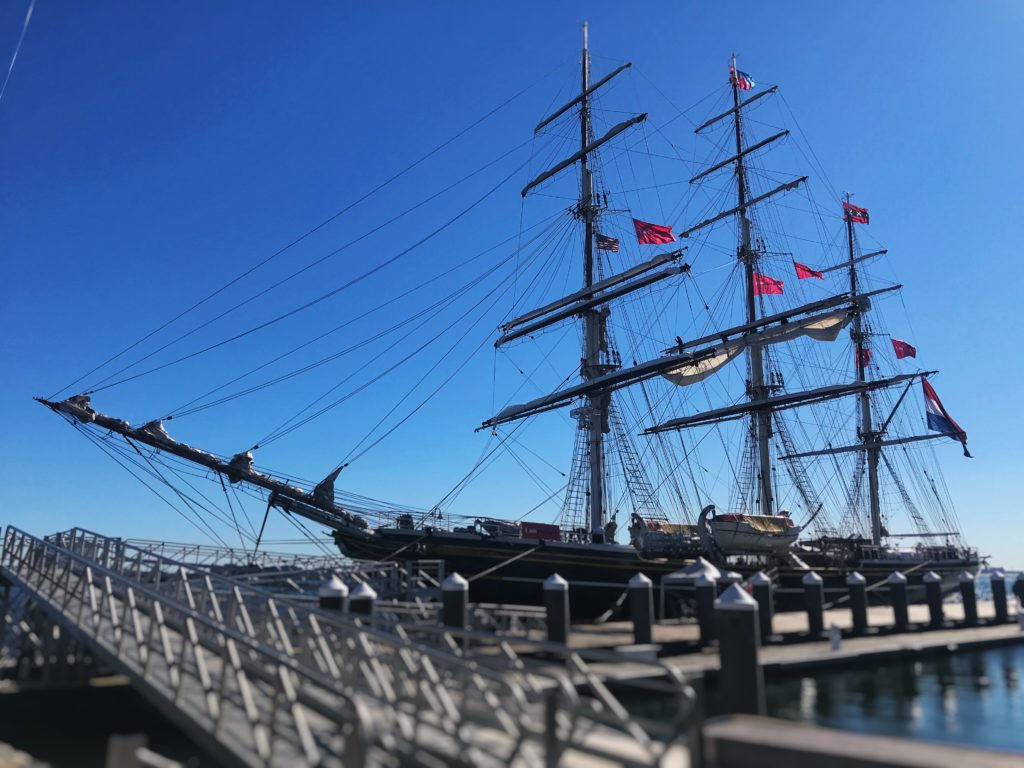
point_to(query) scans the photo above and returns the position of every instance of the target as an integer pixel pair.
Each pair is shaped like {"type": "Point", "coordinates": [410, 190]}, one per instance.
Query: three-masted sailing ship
{"type": "Point", "coordinates": [507, 560]}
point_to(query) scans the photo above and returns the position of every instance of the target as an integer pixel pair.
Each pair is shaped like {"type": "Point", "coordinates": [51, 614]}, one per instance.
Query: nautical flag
{"type": "Point", "coordinates": [903, 349]}
{"type": "Point", "coordinates": [741, 79]}
{"type": "Point", "coordinates": [855, 214]}
{"type": "Point", "coordinates": [803, 272]}
{"type": "Point", "coordinates": [865, 357]}
{"type": "Point", "coordinates": [652, 234]}
{"type": "Point", "coordinates": [605, 243]}
{"type": "Point", "coordinates": [766, 285]}
{"type": "Point", "coordinates": [939, 420]}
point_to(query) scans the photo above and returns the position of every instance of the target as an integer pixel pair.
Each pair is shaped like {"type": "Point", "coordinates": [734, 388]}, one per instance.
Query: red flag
{"type": "Point", "coordinates": [865, 357]}
{"type": "Point", "coordinates": [652, 234]}
{"type": "Point", "coordinates": [855, 214]}
{"type": "Point", "coordinates": [766, 285]}
{"type": "Point", "coordinates": [903, 349]}
{"type": "Point", "coordinates": [803, 272]}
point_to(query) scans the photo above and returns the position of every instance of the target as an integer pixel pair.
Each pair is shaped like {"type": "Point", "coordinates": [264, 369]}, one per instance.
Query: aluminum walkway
{"type": "Point", "coordinates": [261, 679]}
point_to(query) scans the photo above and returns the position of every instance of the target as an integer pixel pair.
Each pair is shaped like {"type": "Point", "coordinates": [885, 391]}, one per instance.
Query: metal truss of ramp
{"type": "Point", "coordinates": [263, 680]}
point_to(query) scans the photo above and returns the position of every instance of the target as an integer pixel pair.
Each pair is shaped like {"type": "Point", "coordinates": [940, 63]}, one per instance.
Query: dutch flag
{"type": "Point", "coordinates": [939, 420]}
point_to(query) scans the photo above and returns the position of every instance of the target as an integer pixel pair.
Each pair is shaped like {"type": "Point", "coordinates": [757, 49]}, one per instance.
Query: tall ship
{"type": "Point", "coordinates": [735, 397]}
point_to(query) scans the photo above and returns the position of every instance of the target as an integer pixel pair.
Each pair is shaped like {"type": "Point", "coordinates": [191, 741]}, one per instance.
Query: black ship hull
{"type": "Point", "coordinates": [512, 570]}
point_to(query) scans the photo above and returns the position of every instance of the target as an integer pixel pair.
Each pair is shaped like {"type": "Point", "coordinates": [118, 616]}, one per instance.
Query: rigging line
{"type": "Point", "coordinates": [189, 501]}
{"type": "Point", "coordinates": [281, 430]}
{"type": "Point", "coordinates": [279, 283]}
{"type": "Point", "coordinates": [298, 240]}
{"type": "Point", "coordinates": [181, 410]}
{"type": "Point", "coordinates": [434, 308]}
{"type": "Point", "coordinates": [421, 380]}
{"type": "Point", "coordinates": [322, 297]}
{"type": "Point", "coordinates": [231, 508]}
{"type": "Point", "coordinates": [17, 48]}
{"type": "Point", "coordinates": [108, 450]}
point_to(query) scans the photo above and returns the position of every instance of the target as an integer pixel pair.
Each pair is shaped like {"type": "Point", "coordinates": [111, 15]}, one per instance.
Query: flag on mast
{"type": "Point", "coordinates": [803, 272]}
{"type": "Point", "coordinates": [903, 349]}
{"type": "Point", "coordinates": [652, 234]}
{"type": "Point", "coordinates": [605, 243]}
{"type": "Point", "coordinates": [766, 285]}
{"type": "Point", "coordinates": [939, 419]}
{"type": "Point", "coordinates": [740, 79]}
{"type": "Point", "coordinates": [855, 214]}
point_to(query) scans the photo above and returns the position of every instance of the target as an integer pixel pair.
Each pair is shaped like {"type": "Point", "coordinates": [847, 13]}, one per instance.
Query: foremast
{"type": "Point", "coordinates": [758, 392]}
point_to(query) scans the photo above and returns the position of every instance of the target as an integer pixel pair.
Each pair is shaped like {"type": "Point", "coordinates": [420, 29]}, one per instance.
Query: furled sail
{"type": "Point", "coordinates": [823, 327]}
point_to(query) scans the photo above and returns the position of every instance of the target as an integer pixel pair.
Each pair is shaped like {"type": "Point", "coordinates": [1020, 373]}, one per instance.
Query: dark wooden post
{"type": "Point", "coordinates": [455, 601]}
{"type": "Point", "coordinates": [333, 595]}
{"type": "Point", "coordinates": [556, 601]}
{"type": "Point", "coordinates": [741, 679]}
{"type": "Point", "coordinates": [814, 601]}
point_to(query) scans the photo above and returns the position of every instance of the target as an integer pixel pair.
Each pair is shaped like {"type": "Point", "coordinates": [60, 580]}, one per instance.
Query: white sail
{"type": "Point", "coordinates": [823, 327]}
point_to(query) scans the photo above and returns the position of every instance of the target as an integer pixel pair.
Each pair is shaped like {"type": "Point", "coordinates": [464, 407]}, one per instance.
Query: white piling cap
{"type": "Point", "coordinates": [454, 583]}
{"type": "Point", "coordinates": [896, 578]}
{"type": "Point", "coordinates": [704, 581]}
{"type": "Point", "coordinates": [640, 580]}
{"type": "Point", "coordinates": [812, 578]}
{"type": "Point", "coordinates": [966, 576]}
{"type": "Point", "coordinates": [555, 583]}
{"type": "Point", "coordinates": [735, 598]}
{"type": "Point", "coordinates": [333, 587]}
{"type": "Point", "coordinates": [363, 592]}
{"type": "Point", "coordinates": [761, 579]}
{"type": "Point", "coordinates": [997, 575]}
{"type": "Point", "coordinates": [932, 578]}
{"type": "Point", "coordinates": [856, 578]}
{"type": "Point", "coordinates": [693, 570]}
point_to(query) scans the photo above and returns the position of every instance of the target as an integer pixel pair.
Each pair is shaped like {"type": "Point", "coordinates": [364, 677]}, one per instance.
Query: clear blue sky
{"type": "Point", "coordinates": [151, 151]}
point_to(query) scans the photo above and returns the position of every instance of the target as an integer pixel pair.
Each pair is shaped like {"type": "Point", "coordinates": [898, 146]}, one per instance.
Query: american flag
{"type": "Point", "coordinates": [605, 243]}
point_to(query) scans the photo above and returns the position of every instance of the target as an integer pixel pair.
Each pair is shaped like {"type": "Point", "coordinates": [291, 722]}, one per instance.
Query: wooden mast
{"type": "Point", "coordinates": [596, 411]}
{"type": "Point", "coordinates": [868, 436]}
{"type": "Point", "coordinates": [761, 421]}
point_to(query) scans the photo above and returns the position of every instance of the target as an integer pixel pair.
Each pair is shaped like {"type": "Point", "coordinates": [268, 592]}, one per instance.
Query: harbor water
{"type": "Point", "coordinates": [971, 698]}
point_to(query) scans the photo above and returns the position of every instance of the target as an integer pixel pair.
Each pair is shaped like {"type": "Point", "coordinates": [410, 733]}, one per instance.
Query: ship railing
{"type": "Point", "coordinates": [445, 675]}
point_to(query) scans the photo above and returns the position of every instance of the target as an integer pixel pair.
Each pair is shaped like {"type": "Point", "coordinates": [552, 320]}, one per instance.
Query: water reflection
{"type": "Point", "coordinates": [972, 698]}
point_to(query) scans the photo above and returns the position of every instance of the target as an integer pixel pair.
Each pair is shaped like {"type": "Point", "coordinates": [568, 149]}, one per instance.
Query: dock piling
{"type": "Point", "coordinates": [897, 584]}
{"type": "Point", "coordinates": [455, 601]}
{"type": "Point", "coordinates": [741, 679]}
{"type": "Point", "coordinates": [933, 594]}
{"type": "Point", "coordinates": [814, 601]}
{"type": "Point", "coordinates": [641, 608]}
{"type": "Point", "coordinates": [970, 599]}
{"type": "Point", "coordinates": [761, 586]}
{"type": "Point", "coordinates": [857, 588]}
{"type": "Point", "coordinates": [556, 602]}
{"type": "Point", "coordinates": [362, 600]}
{"type": "Point", "coordinates": [704, 589]}
{"type": "Point", "coordinates": [333, 595]}
{"type": "Point", "coordinates": [998, 581]}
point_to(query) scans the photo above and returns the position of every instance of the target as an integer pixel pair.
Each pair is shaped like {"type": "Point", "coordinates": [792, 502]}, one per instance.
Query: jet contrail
{"type": "Point", "coordinates": [10, 68]}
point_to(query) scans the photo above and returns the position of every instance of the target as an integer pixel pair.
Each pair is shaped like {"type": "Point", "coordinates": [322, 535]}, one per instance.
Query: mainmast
{"type": "Point", "coordinates": [868, 436]}
{"type": "Point", "coordinates": [761, 421]}
{"type": "Point", "coordinates": [596, 411]}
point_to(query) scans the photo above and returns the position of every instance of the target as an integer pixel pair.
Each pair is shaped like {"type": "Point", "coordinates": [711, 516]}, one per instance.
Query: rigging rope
{"type": "Point", "coordinates": [299, 239]}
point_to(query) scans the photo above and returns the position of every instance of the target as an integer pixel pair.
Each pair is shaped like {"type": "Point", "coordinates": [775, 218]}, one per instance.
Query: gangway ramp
{"type": "Point", "coordinates": [263, 680]}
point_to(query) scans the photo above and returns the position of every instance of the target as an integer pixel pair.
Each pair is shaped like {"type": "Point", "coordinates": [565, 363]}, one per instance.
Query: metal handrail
{"type": "Point", "coordinates": [416, 667]}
